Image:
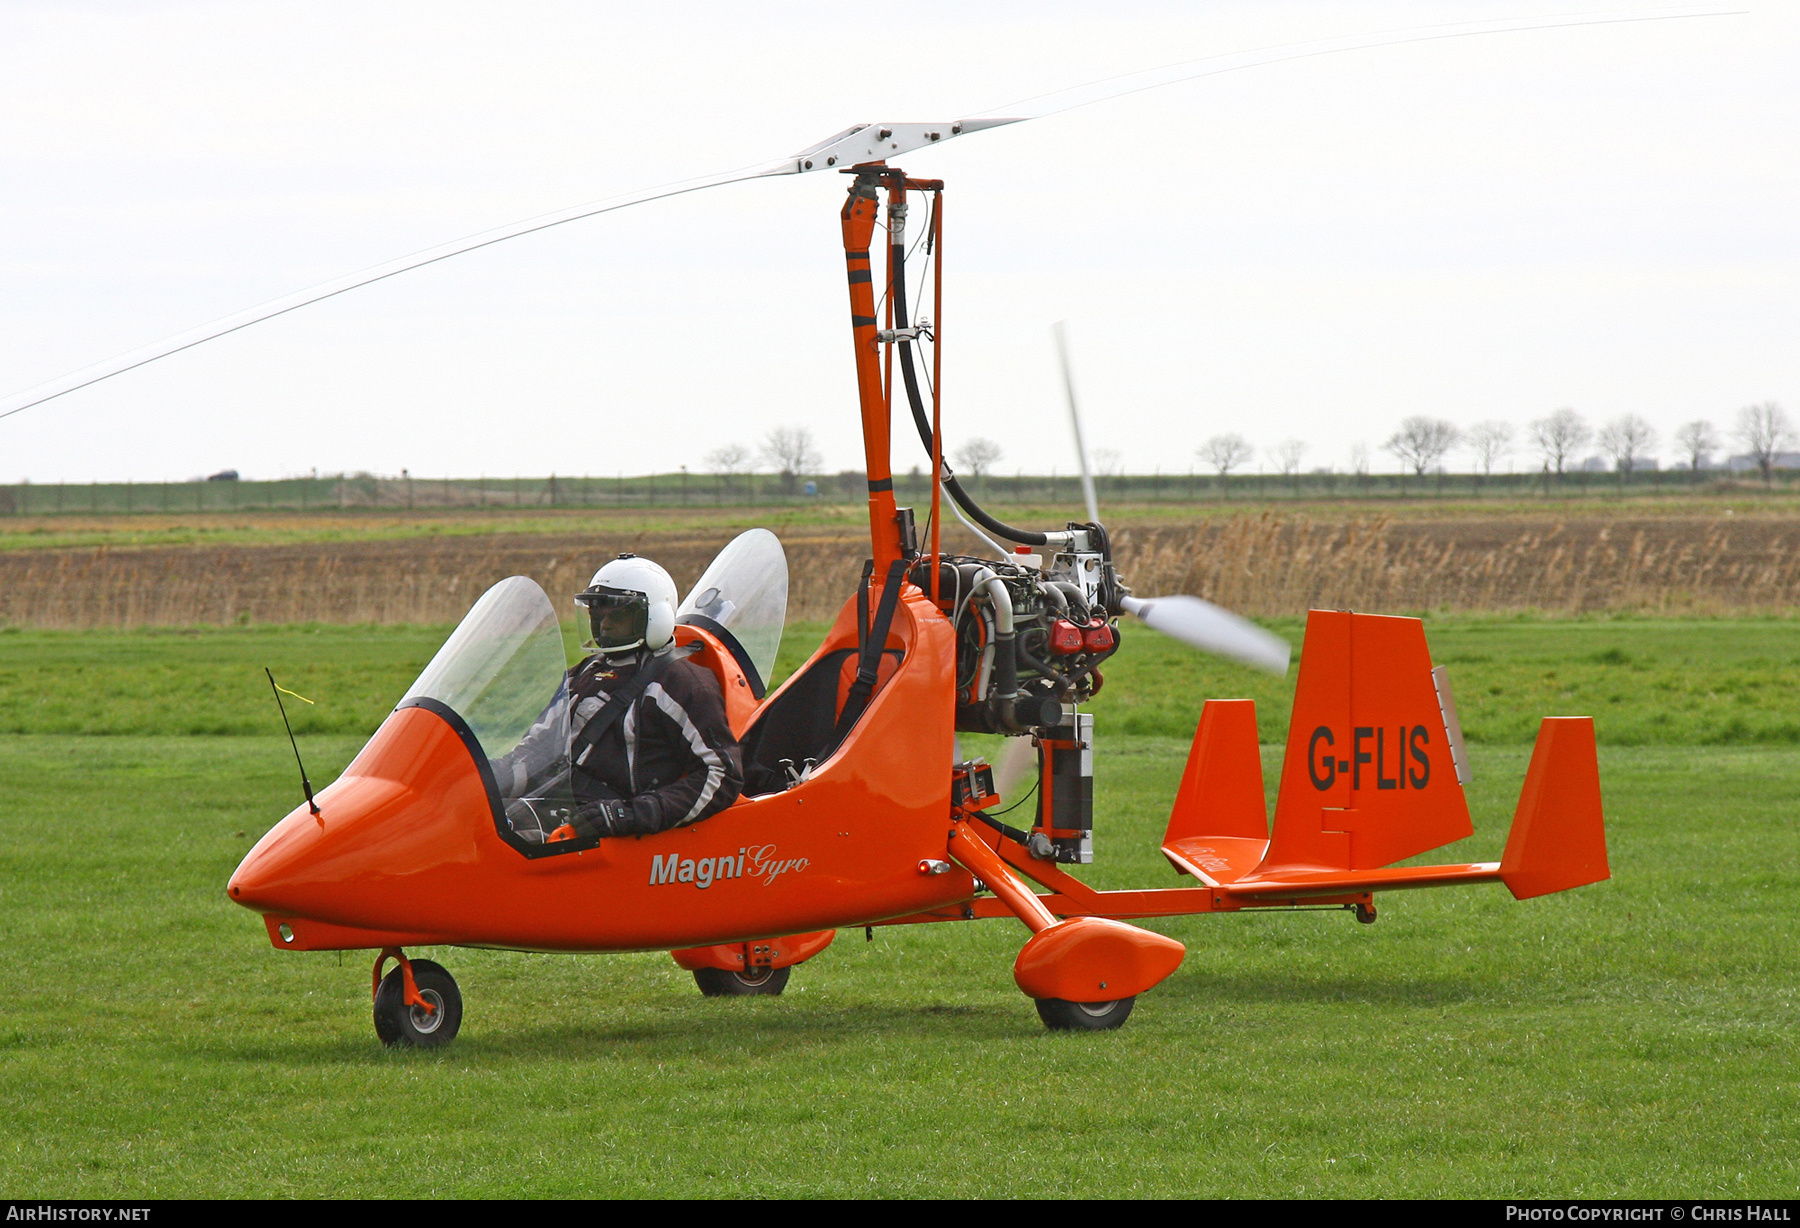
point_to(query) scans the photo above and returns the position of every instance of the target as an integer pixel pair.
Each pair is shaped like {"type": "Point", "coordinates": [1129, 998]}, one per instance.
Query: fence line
{"type": "Point", "coordinates": [757, 490]}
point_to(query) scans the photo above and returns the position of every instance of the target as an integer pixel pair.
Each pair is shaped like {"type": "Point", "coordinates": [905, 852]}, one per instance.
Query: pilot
{"type": "Point", "coordinates": [648, 744]}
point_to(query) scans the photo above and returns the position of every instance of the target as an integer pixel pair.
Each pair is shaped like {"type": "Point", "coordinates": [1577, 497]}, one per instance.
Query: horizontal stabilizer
{"type": "Point", "coordinates": [1558, 837]}
{"type": "Point", "coordinates": [1298, 884]}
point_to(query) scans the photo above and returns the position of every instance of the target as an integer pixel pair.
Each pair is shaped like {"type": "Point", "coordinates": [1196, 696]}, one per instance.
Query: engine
{"type": "Point", "coordinates": [1031, 632]}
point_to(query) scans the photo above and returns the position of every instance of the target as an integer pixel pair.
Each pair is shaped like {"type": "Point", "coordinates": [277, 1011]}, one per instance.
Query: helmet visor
{"type": "Point", "coordinates": [619, 617]}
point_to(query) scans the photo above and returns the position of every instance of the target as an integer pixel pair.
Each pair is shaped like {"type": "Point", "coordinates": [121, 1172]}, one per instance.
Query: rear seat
{"type": "Point", "coordinates": [801, 722]}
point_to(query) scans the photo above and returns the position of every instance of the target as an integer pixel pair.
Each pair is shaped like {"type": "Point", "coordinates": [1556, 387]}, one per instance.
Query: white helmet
{"type": "Point", "coordinates": [630, 604]}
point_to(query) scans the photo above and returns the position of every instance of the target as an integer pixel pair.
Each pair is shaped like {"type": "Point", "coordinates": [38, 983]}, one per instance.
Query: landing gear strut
{"type": "Point", "coordinates": [417, 1004]}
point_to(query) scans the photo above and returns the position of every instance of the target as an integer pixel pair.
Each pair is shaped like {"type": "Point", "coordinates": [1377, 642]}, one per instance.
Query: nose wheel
{"type": "Point", "coordinates": [417, 1004]}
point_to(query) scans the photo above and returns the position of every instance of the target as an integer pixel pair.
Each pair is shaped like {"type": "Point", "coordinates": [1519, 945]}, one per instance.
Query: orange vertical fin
{"type": "Point", "coordinates": [1219, 828]}
{"type": "Point", "coordinates": [1558, 837]}
{"type": "Point", "coordinates": [1368, 778]}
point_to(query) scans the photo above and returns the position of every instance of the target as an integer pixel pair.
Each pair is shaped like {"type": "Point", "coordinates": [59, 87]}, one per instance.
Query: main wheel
{"type": "Point", "coordinates": [1061, 1016]}
{"type": "Point", "coordinates": [720, 983]}
{"type": "Point", "coordinates": [399, 1024]}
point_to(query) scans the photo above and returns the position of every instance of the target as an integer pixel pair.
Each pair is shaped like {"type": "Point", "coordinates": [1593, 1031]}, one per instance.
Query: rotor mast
{"type": "Point", "coordinates": [888, 538]}
{"type": "Point", "coordinates": [858, 218]}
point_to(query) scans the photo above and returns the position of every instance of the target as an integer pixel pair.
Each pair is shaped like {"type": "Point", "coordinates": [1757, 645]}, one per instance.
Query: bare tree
{"type": "Point", "coordinates": [1558, 436]}
{"type": "Point", "coordinates": [1765, 430]}
{"type": "Point", "coordinates": [789, 451]}
{"type": "Point", "coordinates": [1288, 454]}
{"type": "Point", "coordinates": [1108, 462]}
{"type": "Point", "coordinates": [728, 458]}
{"type": "Point", "coordinates": [1359, 459]}
{"type": "Point", "coordinates": [1422, 442]}
{"type": "Point", "coordinates": [1627, 440]}
{"type": "Point", "coordinates": [1224, 453]}
{"type": "Point", "coordinates": [1489, 441]}
{"type": "Point", "coordinates": [1697, 439]}
{"type": "Point", "coordinates": [979, 455]}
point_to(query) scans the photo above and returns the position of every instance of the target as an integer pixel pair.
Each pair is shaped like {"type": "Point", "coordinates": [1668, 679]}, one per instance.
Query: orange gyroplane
{"type": "Point", "coordinates": [857, 812]}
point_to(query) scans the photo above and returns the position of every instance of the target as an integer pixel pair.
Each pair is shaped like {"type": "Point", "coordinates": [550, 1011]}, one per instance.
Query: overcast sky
{"type": "Point", "coordinates": [1605, 217]}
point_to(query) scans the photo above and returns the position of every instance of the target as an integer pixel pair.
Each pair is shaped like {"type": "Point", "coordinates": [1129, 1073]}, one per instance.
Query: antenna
{"type": "Point", "coordinates": [1087, 476]}
{"type": "Point", "coordinates": [305, 784]}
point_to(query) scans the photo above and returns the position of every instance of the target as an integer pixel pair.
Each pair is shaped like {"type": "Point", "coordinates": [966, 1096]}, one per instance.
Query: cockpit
{"type": "Point", "coordinates": [500, 679]}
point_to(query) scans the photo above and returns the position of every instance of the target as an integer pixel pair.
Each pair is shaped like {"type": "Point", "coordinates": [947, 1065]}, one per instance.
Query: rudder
{"type": "Point", "coordinates": [1368, 778]}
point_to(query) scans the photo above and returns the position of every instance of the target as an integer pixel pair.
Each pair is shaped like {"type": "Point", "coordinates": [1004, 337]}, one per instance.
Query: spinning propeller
{"type": "Point", "coordinates": [1195, 622]}
{"type": "Point", "coordinates": [862, 143]}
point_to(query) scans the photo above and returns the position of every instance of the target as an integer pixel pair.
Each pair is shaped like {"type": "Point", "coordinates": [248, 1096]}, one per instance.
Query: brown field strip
{"type": "Point", "coordinates": [1267, 564]}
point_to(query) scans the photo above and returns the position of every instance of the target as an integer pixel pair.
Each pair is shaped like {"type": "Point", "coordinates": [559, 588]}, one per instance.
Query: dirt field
{"type": "Point", "coordinates": [1260, 563]}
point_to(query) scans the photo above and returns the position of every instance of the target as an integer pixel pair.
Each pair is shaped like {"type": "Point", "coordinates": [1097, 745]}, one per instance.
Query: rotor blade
{"type": "Point", "coordinates": [862, 143]}
{"type": "Point", "coordinates": [121, 363]}
{"type": "Point", "coordinates": [1203, 625]}
{"type": "Point", "coordinates": [1087, 477]}
{"type": "Point", "coordinates": [1170, 74]}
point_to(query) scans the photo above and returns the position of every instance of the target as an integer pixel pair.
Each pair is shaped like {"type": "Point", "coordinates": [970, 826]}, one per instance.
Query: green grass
{"type": "Point", "coordinates": [1645, 681]}
{"type": "Point", "coordinates": [253, 527]}
{"type": "Point", "coordinates": [1633, 1038]}
{"type": "Point", "coordinates": [96, 516]}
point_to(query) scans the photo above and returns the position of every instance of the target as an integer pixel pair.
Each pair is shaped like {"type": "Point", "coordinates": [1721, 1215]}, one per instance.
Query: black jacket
{"type": "Point", "coordinates": [671, 756]}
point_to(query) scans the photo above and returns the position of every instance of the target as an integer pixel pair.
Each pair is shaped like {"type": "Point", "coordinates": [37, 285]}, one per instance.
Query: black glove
{"type": "Point", "coordinates": [597, 819]}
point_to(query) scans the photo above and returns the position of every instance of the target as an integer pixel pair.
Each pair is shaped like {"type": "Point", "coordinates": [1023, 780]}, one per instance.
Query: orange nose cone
{"type": "Point", "coordinates": [394, 838]}
{"type": "Point", "coordinates": [259, 880]}
{"type": "Point", "coordinates": [303, 864]}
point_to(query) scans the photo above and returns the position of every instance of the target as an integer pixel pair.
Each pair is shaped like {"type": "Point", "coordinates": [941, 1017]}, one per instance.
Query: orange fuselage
{"type": "Point", "coordinates": [406, 850]}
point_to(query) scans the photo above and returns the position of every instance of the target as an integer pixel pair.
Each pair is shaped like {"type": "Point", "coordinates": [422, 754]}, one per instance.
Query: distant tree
{"type": "Point", "coordinates": [1359, 459]}
{"type": "Point", "coordinates": [1489, 441]}
{"type": "Point", "coordinates": [1697, 440]}
{"type": "Point", "coordinates": [1627, 439]}
{"type": "Point", "coordinates": [1223, 453]}
{"type": "Point", "coordinates": [789, 451]}
{"type": "Point", "coordinates": [979, 455]}
{"type": "Point", "coordinates": [1288, 455]}
{"type": "Point", "coordinates": [1108, 462]}
{"type": "Point", "coordinates": [1558, 436]}
{"type": "Point", "coordinates": [1764, 430]}
{"type": "Point", "coordinates": [728, 458]}
{"type": "Point", "coordinates": [1422, 442]}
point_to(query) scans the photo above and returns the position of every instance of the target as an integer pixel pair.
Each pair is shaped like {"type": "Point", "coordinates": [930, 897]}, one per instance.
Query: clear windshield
{"type": "Point", "coordinates": [502, 667]}
{"type": "Point", "coordinates": [745, 591]}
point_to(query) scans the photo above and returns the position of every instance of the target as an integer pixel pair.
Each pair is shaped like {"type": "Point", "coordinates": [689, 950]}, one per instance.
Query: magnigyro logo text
{"type": "Point", "coordinates": [759, 861]}
{"type": "Point", "coordinates": [1369, 747]}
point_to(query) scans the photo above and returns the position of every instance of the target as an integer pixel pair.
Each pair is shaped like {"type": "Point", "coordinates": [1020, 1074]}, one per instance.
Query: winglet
{"type": "Point", "coordinates": [1222, 787]}
{"type": "Point", "coordinates": [1219, 828]}
{"type": "Point", "coordinates": [1558, 837]}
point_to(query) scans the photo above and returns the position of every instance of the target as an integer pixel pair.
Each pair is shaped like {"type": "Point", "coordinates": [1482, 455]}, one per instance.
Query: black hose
{"type": "Point", "coordinates": [910, 377]}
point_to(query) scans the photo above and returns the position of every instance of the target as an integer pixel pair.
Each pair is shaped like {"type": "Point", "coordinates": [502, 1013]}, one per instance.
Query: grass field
{"type": "Point", "coordinates": [251, 526]}
{"type": "Point", "coordinates": [1631, 1038]}
{"type": "Point", "coordinates": [1646, 681]}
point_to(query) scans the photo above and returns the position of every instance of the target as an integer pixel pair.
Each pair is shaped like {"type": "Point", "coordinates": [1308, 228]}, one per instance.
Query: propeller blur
{"type": "Point", "coordinates": [1201, 624]}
